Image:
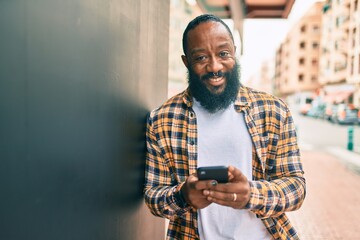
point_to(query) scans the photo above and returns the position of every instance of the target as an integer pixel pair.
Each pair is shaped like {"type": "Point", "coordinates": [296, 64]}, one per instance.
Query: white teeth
{"type": "Point", "coordinates": [215, 79]}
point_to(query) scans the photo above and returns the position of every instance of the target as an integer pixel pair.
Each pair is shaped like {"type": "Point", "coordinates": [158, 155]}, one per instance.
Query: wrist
{"type": "Point", "coordinates": [180, 198]}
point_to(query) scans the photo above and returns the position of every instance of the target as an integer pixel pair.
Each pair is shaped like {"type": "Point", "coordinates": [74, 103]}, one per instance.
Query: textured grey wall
{"type": "Point", "coordinates": [77, 78]}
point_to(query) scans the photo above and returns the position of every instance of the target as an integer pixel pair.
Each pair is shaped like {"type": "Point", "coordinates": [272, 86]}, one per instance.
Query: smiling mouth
{"type": "Point", "coordinates": [216, 81]}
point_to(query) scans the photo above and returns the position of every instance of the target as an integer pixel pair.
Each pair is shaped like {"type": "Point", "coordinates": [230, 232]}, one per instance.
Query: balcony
{"type": "Point", "coordinates": [251, 8]}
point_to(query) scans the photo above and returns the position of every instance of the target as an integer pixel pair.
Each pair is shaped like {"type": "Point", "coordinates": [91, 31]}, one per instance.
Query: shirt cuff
{"type": "Point", "coordinates": [256, 202]}
{"type": "Point", "coordinates": [179, 203]}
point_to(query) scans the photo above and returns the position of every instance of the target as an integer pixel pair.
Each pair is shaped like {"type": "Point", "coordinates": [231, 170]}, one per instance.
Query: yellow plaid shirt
{"type": "Point", "coordinates": [278, 184]}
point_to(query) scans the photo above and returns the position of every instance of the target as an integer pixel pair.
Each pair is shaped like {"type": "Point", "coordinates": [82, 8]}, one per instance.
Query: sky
{"type": "Point", "coordinates": [263, 36]}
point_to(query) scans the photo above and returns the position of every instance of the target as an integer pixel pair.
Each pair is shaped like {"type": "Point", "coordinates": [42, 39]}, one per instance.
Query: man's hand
{"type": "Point", "coordinates": [192, 191]}
{"type": "Point", "coordinates": [235, 193]}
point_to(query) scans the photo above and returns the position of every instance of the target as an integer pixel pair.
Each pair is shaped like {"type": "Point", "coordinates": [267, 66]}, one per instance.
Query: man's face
{"type": "Point", "coordinates": [213, 73]}
{"type": "Point", "coordinates": [210, 50]}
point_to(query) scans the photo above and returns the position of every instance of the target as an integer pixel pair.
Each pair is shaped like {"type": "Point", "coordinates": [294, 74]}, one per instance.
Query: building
{"type": "Point", "coordinates": [264, 79]}
{"type": "Point", "coordinates": [340, 51]}
{"type": "Point", "coordinates": [297, 58]}
{"type": "Point", "coordinates": [181, 12]}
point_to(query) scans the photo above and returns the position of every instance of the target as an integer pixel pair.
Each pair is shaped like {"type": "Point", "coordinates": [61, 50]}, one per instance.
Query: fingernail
{"type": "Point", "coordinates": [214, 183]}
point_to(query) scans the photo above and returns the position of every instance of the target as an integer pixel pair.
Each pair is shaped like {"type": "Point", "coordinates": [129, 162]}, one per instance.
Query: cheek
{"type": "Point", "coordinates": [199, 70]}
{"type": "Point", "coordinates": [229, 65]}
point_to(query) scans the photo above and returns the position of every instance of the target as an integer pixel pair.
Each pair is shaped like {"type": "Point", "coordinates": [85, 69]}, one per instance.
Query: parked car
{"type": "Point", "coordinates": [317, 111]}
{"type": "Point", "coordinates": [330, 110]}
{"type": "Point", "coordinates": [345, 114]}
{"type": "Point", "coordinates": [305, 104]}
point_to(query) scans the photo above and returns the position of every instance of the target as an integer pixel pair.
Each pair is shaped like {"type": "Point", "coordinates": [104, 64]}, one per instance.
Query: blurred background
{"type": "Point", "coordinates": [78, 77]}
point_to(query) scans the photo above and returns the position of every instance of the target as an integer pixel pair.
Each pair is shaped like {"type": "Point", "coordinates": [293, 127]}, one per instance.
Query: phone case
{"type": "Point", "coordinates": [218, 173]}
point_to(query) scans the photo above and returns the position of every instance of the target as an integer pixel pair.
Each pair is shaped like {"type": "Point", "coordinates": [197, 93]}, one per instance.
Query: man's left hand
{"type": "Point", "coordinates": [235, 193]}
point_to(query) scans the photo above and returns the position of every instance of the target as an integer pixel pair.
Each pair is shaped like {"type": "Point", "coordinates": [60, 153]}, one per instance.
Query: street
{"type": "Point", "coordinates": [322, 134]}
{"type": "Point", "coordinates": [331, 209]}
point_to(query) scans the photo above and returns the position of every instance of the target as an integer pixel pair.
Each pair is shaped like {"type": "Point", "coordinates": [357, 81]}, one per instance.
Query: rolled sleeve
{"type": "Point", "coordinates": [284, 188]}
{"type": "Point", "coordinates": [159, 191]}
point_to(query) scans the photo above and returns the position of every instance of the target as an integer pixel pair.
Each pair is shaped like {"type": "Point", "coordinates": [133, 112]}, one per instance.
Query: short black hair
{"type": "Point", "coordinates": [201, 19]}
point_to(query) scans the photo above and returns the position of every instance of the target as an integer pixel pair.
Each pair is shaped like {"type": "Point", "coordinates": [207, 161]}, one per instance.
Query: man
{"type": "Point", "coordinates": [217, 121]}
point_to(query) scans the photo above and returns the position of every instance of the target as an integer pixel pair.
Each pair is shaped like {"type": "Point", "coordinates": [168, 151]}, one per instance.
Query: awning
{"type": "Point", "coordinates": [338, 97]}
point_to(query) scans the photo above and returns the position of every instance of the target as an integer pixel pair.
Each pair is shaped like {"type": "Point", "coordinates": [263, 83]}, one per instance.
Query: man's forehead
{"type": "Point", "coordinates": [209, 27]}
{"type": "Point", "coordinates": [208, 30]}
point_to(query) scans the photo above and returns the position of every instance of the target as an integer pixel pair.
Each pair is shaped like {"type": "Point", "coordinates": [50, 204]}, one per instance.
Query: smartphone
{"type": "Point", "coordinates": [218, 173]}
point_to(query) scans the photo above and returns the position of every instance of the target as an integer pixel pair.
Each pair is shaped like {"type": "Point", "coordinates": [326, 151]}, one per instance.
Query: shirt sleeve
{"type": "Point", "coordinates": [160, 193]}
{"type": "Point", "coordinates": [284, 189]}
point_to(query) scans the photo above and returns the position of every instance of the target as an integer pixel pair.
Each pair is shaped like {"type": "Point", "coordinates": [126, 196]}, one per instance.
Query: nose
{"type": "Point", "coordinates": [214, 65]}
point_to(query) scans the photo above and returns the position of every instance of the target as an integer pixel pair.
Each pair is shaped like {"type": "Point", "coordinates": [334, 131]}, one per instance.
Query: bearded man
{"type": "Point", "coordinates": [217, 121]}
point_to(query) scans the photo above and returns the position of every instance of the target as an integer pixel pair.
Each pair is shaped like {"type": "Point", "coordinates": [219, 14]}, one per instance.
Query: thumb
{"type": "Point", "coordinates": [238, 176]}
{"type": "Point", "coordinates": [191, 180]}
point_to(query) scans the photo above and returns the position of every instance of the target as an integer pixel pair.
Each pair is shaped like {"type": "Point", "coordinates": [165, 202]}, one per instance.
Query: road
{"type": "Point", "coordinates": [331, 207]}
{"type": "Point", "coordinates": [321, 134]}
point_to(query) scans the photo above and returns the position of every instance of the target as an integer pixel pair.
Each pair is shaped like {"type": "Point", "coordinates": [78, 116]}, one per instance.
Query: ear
{"type": "Point", "coordinates": [185, 61]}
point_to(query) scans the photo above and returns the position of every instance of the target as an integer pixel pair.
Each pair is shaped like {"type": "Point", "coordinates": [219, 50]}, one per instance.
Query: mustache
{"type": "Point", "coordinates": [212, 74]}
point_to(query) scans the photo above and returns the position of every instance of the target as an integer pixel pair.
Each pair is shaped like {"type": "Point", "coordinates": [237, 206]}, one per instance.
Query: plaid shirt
{"type": "Point", "coordinates": [278, 184]}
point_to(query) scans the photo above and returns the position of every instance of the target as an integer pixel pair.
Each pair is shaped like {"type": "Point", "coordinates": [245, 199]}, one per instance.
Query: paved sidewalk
{"type": "Point", "coordinates": [331, 209]}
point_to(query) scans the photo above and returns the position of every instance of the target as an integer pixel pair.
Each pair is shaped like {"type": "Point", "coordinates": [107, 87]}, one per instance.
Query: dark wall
{"type": "Point", "coordinates": [77, 78]}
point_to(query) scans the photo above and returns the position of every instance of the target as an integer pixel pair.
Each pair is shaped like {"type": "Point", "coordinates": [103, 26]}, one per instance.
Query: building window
{"type": "Point", "coordinates": [301, 77]}
{"type": "Point", "coordinates": [337, 22]}
{"type": "Point", "coordinates": [352, 65]}
{"type": "Point", "coordinates": [301, 61]}
{"type": "Point", "coordinates": [303, 28]}
{"type": "Point", "coordinates": [354, 37]}
{"type": "Point", "coordinates": [313, 78]}
{"type": "Point", "coordinates": [314, 62]}
{"type": "Point", "coordinates": [355, 5]}
{"type": "Point", "coordinates": [315, 45]}
{"type": "Point", "coordinates": [315, 29]}
{"type": "Point", "coordinates": [302, 45]}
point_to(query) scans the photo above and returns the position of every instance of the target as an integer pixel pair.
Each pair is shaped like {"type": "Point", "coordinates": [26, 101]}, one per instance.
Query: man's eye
{"type": "Point", "coordinates": [200, 58]}
{"type": "Point", "coordinates": [224, 54]}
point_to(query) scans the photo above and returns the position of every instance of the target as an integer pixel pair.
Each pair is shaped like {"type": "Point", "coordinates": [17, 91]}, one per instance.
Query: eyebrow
{"type": "Point", "coordinates": [196, 50]}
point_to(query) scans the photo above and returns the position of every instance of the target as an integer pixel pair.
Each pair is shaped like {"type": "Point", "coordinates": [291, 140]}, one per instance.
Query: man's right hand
{"type": "Point", "coordinates": [192, 191]}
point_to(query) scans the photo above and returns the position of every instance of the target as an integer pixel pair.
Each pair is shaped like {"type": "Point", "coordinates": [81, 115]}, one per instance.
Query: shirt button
{"type": "Point", "coordinates": [192, 142]}
{"type": "Point", "coordinates": [191, 115]}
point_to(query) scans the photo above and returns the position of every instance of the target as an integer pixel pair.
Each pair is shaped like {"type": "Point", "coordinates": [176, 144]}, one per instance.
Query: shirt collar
{"type": "Point", "coordinates": [243, 99]}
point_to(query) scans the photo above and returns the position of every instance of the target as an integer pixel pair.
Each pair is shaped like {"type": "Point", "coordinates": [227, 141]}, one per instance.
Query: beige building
{"type": "Point", "coordinates": [181, 12]}
{"type": "Point", "coordinates": [340, 56]}
{"type": "Point", "coordinates": [263, 80]}
{"type": "Point", "coordinates": [297, 58]}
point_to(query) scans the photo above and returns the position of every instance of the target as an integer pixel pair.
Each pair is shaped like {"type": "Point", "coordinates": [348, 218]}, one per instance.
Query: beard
{"type": "Point", "coordinates": [211, 101]}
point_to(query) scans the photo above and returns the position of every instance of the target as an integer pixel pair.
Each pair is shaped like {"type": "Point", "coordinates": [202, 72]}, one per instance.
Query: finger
{"type": "Point", "coordinates": [228, 197]}
{"type": "Point", "coordinates": [191, 180]}
{"type": "Point", "coordinates": [206, 184]}
{"type": "Point", "coordinates": [221, 201]}
{"type": "Point", "coordinates": [230, 176]}
{"type": "Point", "coordinates": [238, 175]}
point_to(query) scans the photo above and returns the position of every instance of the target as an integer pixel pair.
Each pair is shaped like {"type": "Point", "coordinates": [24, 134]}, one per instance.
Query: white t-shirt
{"type": "Point", "coordinates": [223, 139]}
